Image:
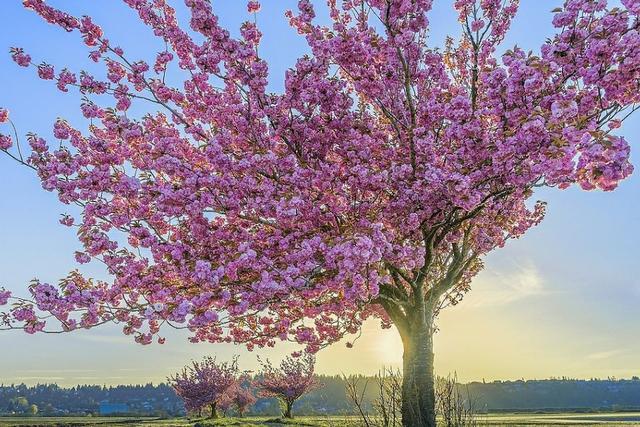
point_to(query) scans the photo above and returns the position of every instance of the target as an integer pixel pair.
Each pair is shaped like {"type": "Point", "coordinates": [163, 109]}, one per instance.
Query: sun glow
{"type": "Point", "coordinates": [387, 346]}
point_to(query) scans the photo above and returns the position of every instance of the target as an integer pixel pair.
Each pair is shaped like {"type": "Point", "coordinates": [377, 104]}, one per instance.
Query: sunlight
{"type": "Point", "coordinates": [388, 347]}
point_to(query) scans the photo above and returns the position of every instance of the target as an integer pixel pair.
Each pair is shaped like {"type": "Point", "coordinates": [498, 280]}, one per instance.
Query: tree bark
{"type": "Point", "coordinates": [214, 412]}
{"type": "Point", "coordinates": [418, 384]}
{"type": "Point", "coordinates": [287, 410]}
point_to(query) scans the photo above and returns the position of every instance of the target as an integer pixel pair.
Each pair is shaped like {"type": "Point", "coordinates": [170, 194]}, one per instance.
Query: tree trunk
{"type": "Point", "coordinates": [287, 410]}
{"type": "Point", "coordinates": [214, 412]}
{"type": "Point", "coordinates": [418, 388]}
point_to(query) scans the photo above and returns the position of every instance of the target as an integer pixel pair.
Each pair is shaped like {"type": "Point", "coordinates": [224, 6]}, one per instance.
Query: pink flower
{"type": "Point", "coordinates": [564, 109]}
{"type": "Point", "coordinates": [632, 5]}
{"type": "Point", "coordinates": [20, 58]}
{"type": "Point", "coordinates": [253, 6]}
{"type": "Point", "coordinates": [91, 110]}
{"type": "Point", "coordinates": [162, 59]}
{"type": "Point", "coordinates": [33, 327]}
{"type": "Point", "coordinates": [5, 142]}
{"type": "Point", "coordinates": [66, 220]}
{"type": "Point", "coordinates": [61, 129]}
{"type": "Point", "coordinates": [4, 296]}
{"type": "Point", "coordinates": [66, 78]}
{"type": "Point", "coordinates": [614, 124]}
{"type": "Point", "coordinates": [82, 257]}
{"type": "Point", "coordinates": [477, 25]}
{"type": "Point", "coordinates": [46, 71]}
{"type": "Point", "coordinates": [38, 145]}
{"type": "Point", "coordinates": [4, 115]}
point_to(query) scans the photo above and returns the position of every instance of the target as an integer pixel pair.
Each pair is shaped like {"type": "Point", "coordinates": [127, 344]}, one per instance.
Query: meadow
{"type": "Point", "coordinates": [503, 419]}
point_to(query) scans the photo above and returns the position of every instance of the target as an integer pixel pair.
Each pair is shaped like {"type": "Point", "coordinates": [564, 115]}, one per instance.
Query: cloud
{"type": "Point", "coordinates": [108, 339]}
{"type": "Point", "coordinates": [38, 378]}
{"type": "Point", "coordinates": [56, 371]}
{"type": "Point", "coordinates": [494, 287]}
{"type": "Point", "coordinates": [604, 355]}
{"type": "Point", "coordinates": [99, 379]}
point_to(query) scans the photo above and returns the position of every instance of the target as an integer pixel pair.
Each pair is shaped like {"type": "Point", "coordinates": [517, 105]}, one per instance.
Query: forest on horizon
{"type": "Point", "coordinates": [563, 394]}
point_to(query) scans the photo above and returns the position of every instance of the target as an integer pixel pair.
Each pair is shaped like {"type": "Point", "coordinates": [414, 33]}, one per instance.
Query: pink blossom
{"type": "Point", "coordinates": [5, 142]}
{"type": "Point", "coordinates": [20, 58]}
{"type": "Point", "coordinates": [82, 257]}
{"type": "Point", "coordinates": [253, 6]}
{"type": "Point", "coordinates": [66, 78]}
{"type": "Point", "coordinates": [477, 25]}
{"type": "Point", "coordinates": [632, 5]}
{"type": "Point", "coordinates": [61, 129]}
{"type": "Point", "coordinates": [46, 71]}
{"type": "Point", "coordinates": [162, 59]}
{"type": "Point", "coordinates": [256, 217]}
{"type": "Point", "coordinates": [4, 296]}
{"type": "Point", "coordinates": [66, 220]}
{"type": "Point", "coordinates": [563, 109]}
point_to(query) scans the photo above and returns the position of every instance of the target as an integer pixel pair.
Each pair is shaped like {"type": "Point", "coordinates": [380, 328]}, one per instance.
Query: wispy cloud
{"type": "Point", "coordinates": [109, 339]}
{"type": "Point", "coordinates": [56, 371]}
{"type": "Point", "coordinates": [98, 379]}
{"type": "Point", "coordinates": [500, 288]}
{"type": "Point", "coordinates": [604, 355]}
{"type": "Point", "coordinates": [38, 378]}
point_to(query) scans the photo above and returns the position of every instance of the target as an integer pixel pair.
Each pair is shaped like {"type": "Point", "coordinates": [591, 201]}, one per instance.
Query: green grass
{"type": "Point", "coordinates": [318, 421]}
{"type": "Point", "coordinates": [561, 419]}
{"type": "Point", "coordinates": [73, 421]}
{"type": "Point", "coordinates": [141, 421]}
{"type": "Point", "coordinates": [507, 419]}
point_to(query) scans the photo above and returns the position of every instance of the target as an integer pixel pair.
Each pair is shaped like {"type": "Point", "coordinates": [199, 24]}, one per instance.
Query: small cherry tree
{"type": "Point", "coordinates": [203, 384]}
{"type": "Point", "coordinates": [372, 186]}
{"type": "Point", "coordinates": [225, 402]}
{"type": "Point", "coordinates": [189, 392]}
{"type": "Point", "coordinates": [294, 378]}
{"type": "Point", "coordinates": [239, 396]}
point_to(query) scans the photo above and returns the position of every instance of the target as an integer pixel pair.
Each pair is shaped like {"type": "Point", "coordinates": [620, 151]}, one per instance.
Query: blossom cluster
{"type": "Point", "coordinates": [5, 140]}
{"type": "Point", "coordinates": [384, 171]}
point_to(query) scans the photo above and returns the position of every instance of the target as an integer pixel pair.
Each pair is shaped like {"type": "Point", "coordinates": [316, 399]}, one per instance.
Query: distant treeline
{"type": "Point", "coordinates": [160, 400]}
{"type": "Point", "coordinates": [557, 394]}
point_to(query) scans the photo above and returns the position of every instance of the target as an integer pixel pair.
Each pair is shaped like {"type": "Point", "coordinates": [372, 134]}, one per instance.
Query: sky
{"type": "Point", "coordinates": [561, 301]}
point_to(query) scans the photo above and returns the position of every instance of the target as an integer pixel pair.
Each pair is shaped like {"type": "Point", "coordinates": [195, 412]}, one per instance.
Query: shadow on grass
{"type": "Point", "coordinates": [272, 422]}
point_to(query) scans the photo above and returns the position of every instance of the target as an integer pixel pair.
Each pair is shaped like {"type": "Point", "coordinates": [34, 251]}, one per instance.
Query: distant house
{"type": "Point", "coordinates": [108, 408]}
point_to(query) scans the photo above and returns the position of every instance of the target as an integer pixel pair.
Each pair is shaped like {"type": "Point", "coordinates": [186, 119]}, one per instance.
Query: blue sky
{"type": "Point", "coordinates": [561, 301]}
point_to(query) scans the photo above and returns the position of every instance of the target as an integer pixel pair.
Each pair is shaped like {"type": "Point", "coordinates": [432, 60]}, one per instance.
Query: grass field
{"type": "Point", "coordinates": [560, 419]}
{"type": "Point", "coordinates": [131, 422]}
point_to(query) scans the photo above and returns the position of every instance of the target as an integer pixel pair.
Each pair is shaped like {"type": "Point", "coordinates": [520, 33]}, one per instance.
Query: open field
{"type": "Point", "coordinates": [560, 419]}
{"type": "Point", "coordinates": [320, 421]}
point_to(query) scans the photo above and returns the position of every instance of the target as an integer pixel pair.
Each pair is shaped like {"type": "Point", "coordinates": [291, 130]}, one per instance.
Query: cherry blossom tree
{"type": "Point", "coordinates": [294, 378]}
{"type": "Point", "coordinates": [371, 187]}
{"type": "Point", "coordinates": [225, 402]}
{"type": "Point", "coordinates": [239, 396]}
{"type": "Point", "coordinates": [203, 384]}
